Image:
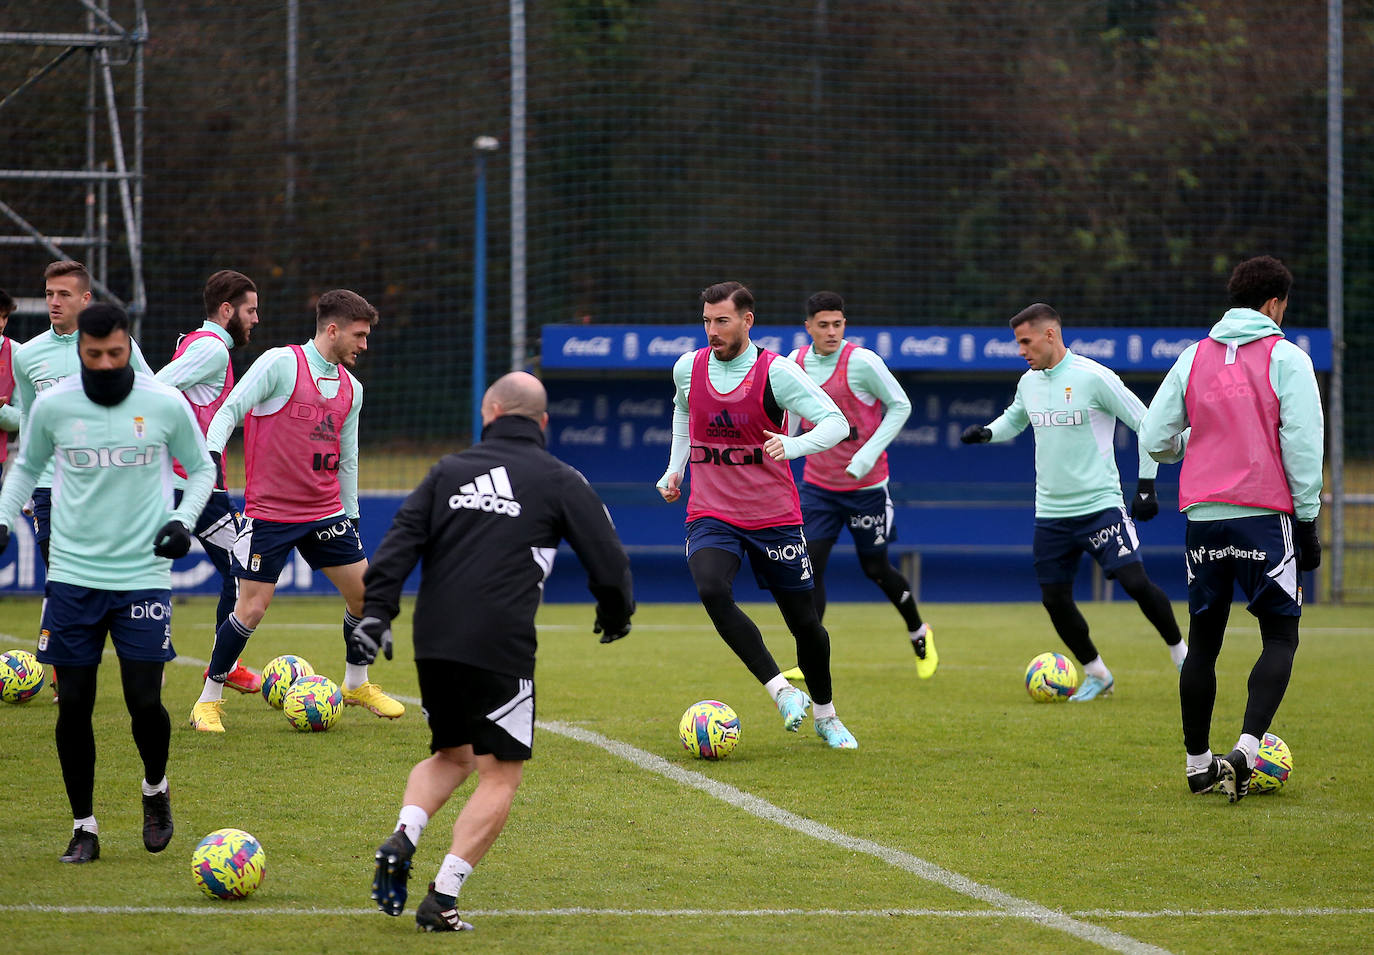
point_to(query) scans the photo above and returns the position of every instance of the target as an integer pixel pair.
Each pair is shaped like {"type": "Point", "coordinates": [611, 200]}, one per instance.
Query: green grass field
{"type": "Point", "coordinates": [970, 819]}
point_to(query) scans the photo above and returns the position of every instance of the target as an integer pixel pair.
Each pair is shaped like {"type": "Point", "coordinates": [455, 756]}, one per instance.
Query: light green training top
{"type": "Point", "coordinates": [792, 389]}
{"type": "Point", "coordinates": [43, 361]}
{"type": "Point", "coordinates": [199, 371]}
{"type": "Point", "coordinates": [268, 386]}
{"type": "Point", "coordinates": [112, 480]}
{"type": "Point", "coordinates": [1074, 407]}
{"type": "Point", "coordinates": [871, 381]}
{"type": "Point", "coordinates": [1301, 428]}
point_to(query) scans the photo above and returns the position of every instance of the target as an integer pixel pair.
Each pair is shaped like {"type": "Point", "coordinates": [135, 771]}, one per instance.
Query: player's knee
{"type": "Point", "coordinates": [1279, 630]}
{"type": "Point", "coordinates": [1133, 580]}
{"type": "Point", "coordinates": [1056, 596]}
{"type": "Point", "coordinates": [250, 611]}
{"type": "Point", "coordinates": [714, 591]}
{"type": "Point", "coordinates": [875, 566]}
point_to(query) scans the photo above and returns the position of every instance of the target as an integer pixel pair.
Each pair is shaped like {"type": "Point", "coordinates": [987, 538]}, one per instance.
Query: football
{"type": "Point", "coordinates": [1051, 678]}
{"type": "Point", "coordinates": [313, 704]}
{"type": "Point", "coordinates": [709, 730]}
{"type": "Point", "coordinates": [21, 676]}
{"type": "Point", "coordinates": [280, 675]}
{"type": "Point", "coordinates": [228, 864]}
{"type": "Point", "coordinates": [1272, 766]}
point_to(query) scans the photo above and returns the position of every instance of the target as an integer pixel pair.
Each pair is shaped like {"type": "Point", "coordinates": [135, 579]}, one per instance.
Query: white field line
{"type": "Point", "coordinates": [1020, 908]}
{"type": "Point", "coordinates": [242, 908]}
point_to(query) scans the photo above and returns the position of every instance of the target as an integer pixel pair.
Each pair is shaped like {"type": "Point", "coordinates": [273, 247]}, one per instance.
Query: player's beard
{"type": "Point", "coordinates": [238, 330]}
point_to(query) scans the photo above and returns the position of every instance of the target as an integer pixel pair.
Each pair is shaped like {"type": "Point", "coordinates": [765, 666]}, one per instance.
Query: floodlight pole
{"type": "Point", "coordinates": [482, 145]}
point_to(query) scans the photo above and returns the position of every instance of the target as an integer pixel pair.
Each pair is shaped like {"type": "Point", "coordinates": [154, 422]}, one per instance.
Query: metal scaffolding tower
{"type": "Point", "coordinates": [107, 45]}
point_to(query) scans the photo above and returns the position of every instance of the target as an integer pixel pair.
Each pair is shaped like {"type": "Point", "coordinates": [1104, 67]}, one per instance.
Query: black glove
{"type": "Point", "coordinates": [1309, 548]}
{"type": "Point", "coordinates": [610, 634]}
{"type": "Point", "coordinates": [370, 635]}
{"type": "Point", "coordinates": [1145, 505]}
{"type": "Point", "coordinates": [976, 434]}
{"type": "Point", "coordinates": [173, 541]}
{"type": "Point", "coordinates": [4, 537]}
{"type": "Point", "coordinates": [218, 459]}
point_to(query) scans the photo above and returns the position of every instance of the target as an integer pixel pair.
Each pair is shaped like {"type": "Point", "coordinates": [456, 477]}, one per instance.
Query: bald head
{"type": "Point", "coordinates": [518, 393]}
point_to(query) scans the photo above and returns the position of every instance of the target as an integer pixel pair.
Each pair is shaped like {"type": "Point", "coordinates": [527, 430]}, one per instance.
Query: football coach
{"type": "Point", "coordinates": [485, 525]}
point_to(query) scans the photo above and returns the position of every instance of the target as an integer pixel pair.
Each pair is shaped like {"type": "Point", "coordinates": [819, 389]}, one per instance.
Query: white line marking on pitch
{"type": "Point", "coordinates": [239, 908]}
{"type": "Point", "coordinates": [1021, 908]}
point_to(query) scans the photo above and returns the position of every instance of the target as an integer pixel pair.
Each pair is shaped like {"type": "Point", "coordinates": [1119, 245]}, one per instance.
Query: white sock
{"type": "Point", "coordinates": [89, 824]}
{"type": "Point", "coordinates": [919, 632]}
{"type": "Point", "coordinates": [213, 691]}
{"type": "Point", "coordinates": [1199, 764]}
{"type": "Point", "coordinates": [413, 820]}
{"type": "Point", "coordinates": [1097, 668]}
{"type": "Point", "coordinates": [1178, 652]}
{"type": "Point", "coordinates": [150, 790]}
{"type": "Point", "coordinates": [452, 874]}
{"type": "Point", "coordinates": [1249, 745]}
{"type": "Point", "coordinates": [355, 675]}
{"type": "Point", "coordinates": [776, 686]}
{"type": "Point", "coordinates": [820, 711]}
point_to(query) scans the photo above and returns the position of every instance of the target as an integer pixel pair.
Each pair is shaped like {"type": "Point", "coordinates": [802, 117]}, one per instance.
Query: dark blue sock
{"type": "Point", "coordinates": [230, 639]}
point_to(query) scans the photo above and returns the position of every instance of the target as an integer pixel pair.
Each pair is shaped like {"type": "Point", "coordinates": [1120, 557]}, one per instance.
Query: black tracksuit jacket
{"type": "Point", "coordinates": [484, 525]}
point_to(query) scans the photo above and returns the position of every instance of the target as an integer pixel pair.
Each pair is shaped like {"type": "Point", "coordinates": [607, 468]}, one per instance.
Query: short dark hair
{"type": "Point", "coordinates": [824, 302]}
{"type": "Point", "coordinates": [69, 267]}
{"type": "Point", "coordinates": [226, 286]}
{"type": "Point", "coordinates": [739, 296]}
{"type": "Point", "coordinates": [1255, 281]}
{"type": "Point", "coordinates": [1039, 312]}
{"type": "Point", "coordinates": [101, 320]}
{"type": "Point", "coordinates": [6, 303]}
{"type": "Point", "coordinates": [341, 306]}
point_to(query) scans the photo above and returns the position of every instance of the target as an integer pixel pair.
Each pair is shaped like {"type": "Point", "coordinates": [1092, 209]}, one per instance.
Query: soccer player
{"type": "Point", "coordinates": [1074, 403]}
{"type": "Point", "coordinates": [9, 414]}
{"type": "Point", "coordinates": [47, 359]}
{"type": "Point", "coordinates": [728, 411]}
{"type": "Point", "coordinates": [201, 370]}
{"type": "Point", "coordinates": [299, 405]}
{"type": "Point", "coordinates": [1251, 488]}
{"type": "Point", "coordinates": [847, 484]}
{"type": "Point", "coordinates": [486, 521]}
{"type": "Point", "coordinates": [108, 436]}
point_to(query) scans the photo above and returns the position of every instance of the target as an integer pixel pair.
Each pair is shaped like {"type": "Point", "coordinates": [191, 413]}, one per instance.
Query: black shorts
{"type": "Point", "coordinates": [1255, 553]}
{"type": "Point", "coordinates": [493, 712]}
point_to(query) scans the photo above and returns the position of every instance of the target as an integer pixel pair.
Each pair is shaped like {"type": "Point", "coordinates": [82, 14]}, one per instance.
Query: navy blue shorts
{"type": "Point", "coordinates": [1108, 537]}
{"type": "Point", "coordinates": [76, 620]}
{"type": "Point", "coordinates": [1255, 552]}
{"type": "Point", "coordinates": [467, 705]}
{"type": "Point", "coordinates": [41, 503]}
{"type": "Point", "coordinates": [777, 554]}
{"type": "Point", "coordinates": [263, 547]}
{"type": "Point", "coordinates": [866, 512]}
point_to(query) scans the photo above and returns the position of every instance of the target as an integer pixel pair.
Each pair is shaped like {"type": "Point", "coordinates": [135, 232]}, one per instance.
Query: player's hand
{"type": "Point", "coordinates": [1309, 547]}
{"type": "Point", "coordinates": [218, 458]}
{"type": "Point", "coordinates": [1145, 505]}
{"type": "Point", "coordinates": [173, 541]}
{"type": "Point", "coordinates": [674, 489]}
{"type": "Point", "coordinates": [773, 446]}
{"type": "Point", "coordinates": [976, 434]}
{"type": "Point", "coordinates": [610, 634]}
{"type": "Point", "coordinates": [4, 537]}
{"type": "Point", "coordinates": [370, 635]}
